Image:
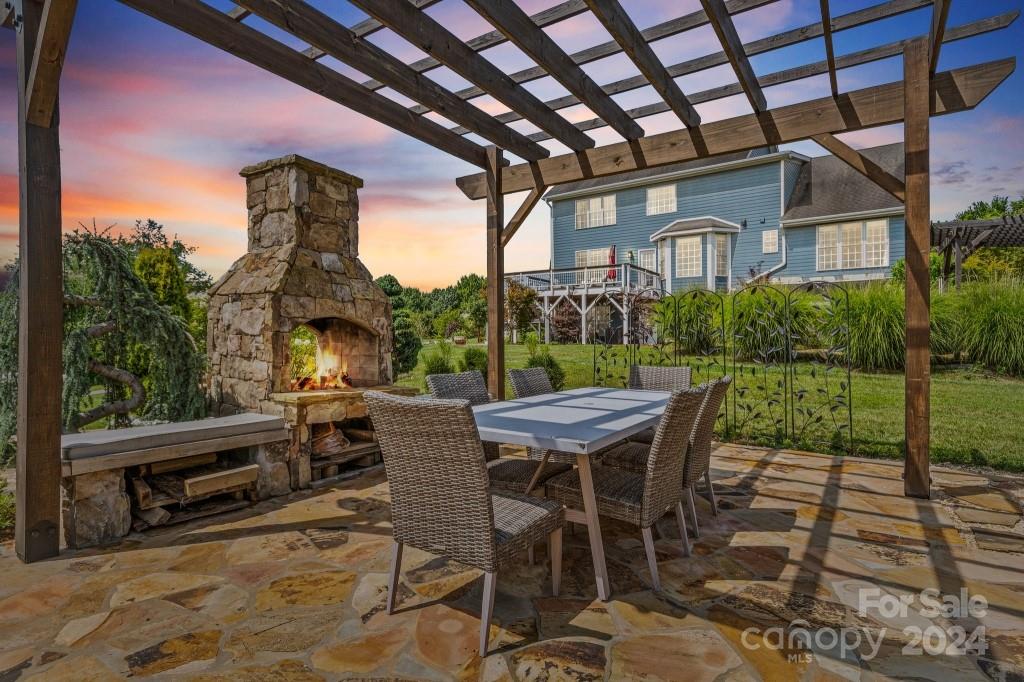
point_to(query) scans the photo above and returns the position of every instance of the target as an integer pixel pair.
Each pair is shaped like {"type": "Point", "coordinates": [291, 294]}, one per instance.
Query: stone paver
{"type": "Point", "coordinates": [294, 589]}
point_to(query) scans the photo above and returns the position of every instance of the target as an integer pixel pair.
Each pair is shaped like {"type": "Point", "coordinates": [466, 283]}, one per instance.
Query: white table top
{"type": "Point", "coordinates": [580, 420]}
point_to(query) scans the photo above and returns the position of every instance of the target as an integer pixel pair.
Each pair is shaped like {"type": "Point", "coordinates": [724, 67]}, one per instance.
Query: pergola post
{"type": "Point", "coordinates": [916, 102]}
{"type": "Point", "coordinates": [41, 301]}
{"type": "Point", "coordinates": [495, 275]}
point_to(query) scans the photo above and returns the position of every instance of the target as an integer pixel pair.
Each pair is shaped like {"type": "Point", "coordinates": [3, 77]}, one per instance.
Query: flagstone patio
{"type": "Point", "coordinates": [294, 588]}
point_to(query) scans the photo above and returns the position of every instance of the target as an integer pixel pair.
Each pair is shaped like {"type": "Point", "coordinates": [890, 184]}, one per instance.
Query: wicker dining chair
{"type": "Point", "coordinates": [469, 386]}
{"type": "Point", "coordinates": [506, 473]}
{"type": "Point", "coordinates": [633, 456]}
{"type": "Point", "coordinates": [642, 498]}
{"type": "Point", "coordinates": [440, 501]}
{"type": "Point", "coordinates": [655, 378]}
{"type": "Point", "coordinates": [530, 382]}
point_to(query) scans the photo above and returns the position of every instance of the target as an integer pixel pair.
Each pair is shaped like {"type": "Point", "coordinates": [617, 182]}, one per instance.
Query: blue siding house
{"type": "Point", "coordinates": [719, 223]}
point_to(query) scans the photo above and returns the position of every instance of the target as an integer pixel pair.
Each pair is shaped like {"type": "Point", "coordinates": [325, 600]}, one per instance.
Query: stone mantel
{"type": "Point", "coordinates": [303, 398]}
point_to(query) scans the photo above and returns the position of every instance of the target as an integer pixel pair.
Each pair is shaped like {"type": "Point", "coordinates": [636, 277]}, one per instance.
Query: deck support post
{"type": "Point", "coordinates": [583, 315]}
{"type": "Point", "coordinates": [495, 275]}
{"type": "Point", "coordinates": [547, 319]}
{"type": "Point", "coordinates": [916, 93]}
{"type": "Point", "coordinates": [40, 314]}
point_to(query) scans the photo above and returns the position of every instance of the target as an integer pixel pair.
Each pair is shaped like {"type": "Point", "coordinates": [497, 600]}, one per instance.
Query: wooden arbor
{"type": "Point", "coordinates": [43, 27]}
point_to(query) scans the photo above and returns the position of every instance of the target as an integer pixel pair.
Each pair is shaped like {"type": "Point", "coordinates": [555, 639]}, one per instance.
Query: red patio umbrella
{"type": "Point", "coordinates": [611, 261]}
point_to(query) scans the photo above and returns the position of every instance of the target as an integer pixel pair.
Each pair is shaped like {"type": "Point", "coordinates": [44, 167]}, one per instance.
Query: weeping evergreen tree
{"type": "Point", "coordinates": [109, 314]}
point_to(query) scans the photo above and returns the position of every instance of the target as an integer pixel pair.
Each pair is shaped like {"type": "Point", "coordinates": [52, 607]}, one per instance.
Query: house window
{"type": "Point", "coordinates": [721, 255]}
{"type": "Point", "coordinates": [595, 212]}
{"type": "Point", "coordinates": [770, 241]}
{"type": "Point", "coordinates": [876, 244]}
{"type": "Point", "coordinates": [688, 260]}
{"type": "Point", "coordinates": [661, 200]}
{"type": "Point", "coordinates": [850, 255]}
{"type": "Point", "coordinates": [828, 247]}
{"type": "Point", "coordinates": [848, 246]}
{"type": "Point", "coordinates": [592, 258]}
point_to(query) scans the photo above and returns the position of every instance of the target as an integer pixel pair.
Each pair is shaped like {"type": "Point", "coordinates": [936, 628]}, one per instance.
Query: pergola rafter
{"type": "Point", "coordinates": [506, 16]}
{"type": "Point", "coordinates": [755, 47]}
{"type": "Point", "coordinates": [308, 23]}
{"type": "Point", "coordinates": [430, 36]}
{"type": "Point", "coordinates": [921, 92]}
{"type": "Point", "coordinates": [628, 36]}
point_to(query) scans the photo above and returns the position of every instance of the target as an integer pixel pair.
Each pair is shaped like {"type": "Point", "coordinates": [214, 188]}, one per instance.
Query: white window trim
{"type": "Point", "coordinates": [775, 238]}
{"type": "Point", "coordinates": [863, 246]}
{"type": "Point", "coordinates": [604, 216]}
{"type": "Point", "coordinates": [700, 257]}
{"type": "Point", "coordinates": [661, 206]}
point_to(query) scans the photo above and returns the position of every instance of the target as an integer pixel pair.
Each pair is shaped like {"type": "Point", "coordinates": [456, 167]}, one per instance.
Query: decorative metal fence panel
{"type": "Point", "coordinates": [786, 349]}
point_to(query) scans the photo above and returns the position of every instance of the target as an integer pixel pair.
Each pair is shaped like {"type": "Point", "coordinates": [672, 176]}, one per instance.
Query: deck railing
{"type": "Point", "coordinates": [619, 276]}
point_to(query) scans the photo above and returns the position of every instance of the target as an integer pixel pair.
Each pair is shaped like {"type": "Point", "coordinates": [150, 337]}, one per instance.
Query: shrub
{"type": "Point", "coordinates": [407, 344]}
{"type": "Point", "coordinates": [690, 320]}
{"type": "Point", "coordinates": [760, 317]}
{"type": "Point", "coordinates": [877, 326]}
{"type": "Point", "coordinates": [448, 323]}
{"type": "Point", "coordinates": [532, 343]}
{"type": "Point", "coordinates": [555, 373]}
{"type": "Point", "coordinates": [6, 509]}
{"type": "Point", "coordinates": [474, 358]}
{"type": "Point", "coordinates": [992, 318]}
{"type": "Point", "coordinates": [438, 360]}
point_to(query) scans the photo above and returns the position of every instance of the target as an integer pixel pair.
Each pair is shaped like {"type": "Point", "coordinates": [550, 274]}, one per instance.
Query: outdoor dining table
{"type": "Point", "coordinates": [581, 421]}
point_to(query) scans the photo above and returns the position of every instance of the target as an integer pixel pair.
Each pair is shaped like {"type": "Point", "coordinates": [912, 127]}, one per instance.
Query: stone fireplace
{"type": "Point", "coordinates": [301, 282]}
{"type": "Point", "coordinates": [302, 268]}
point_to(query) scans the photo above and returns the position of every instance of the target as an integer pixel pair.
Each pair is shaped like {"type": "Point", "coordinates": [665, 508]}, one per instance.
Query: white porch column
{"type": "Point", "coordinates": [547, 320]}
{"type": "Point", "coordinates": [583, 316]}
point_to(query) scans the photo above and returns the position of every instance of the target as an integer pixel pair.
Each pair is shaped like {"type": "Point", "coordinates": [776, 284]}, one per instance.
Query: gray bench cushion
{"type": "Point", "coordinates": [97, 443]}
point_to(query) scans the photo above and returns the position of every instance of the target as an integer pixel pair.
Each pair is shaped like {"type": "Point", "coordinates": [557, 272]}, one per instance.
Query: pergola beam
{"type": "Point", "coordinates": [863, 165]}
{"type": "Point", "coordinates": [940, 14]}
{"type": "Point", "coordinates": [521, 214]}
{"type": "Point", "coordinates": [48, 60]}
{"type": "Point", "coordinates": [313, 26]}
{"type": "Point", "coordinates": [507, 17]}
{"type": "Point", "coordinates": [424, 32]}
{"type": "Point", "coordinates": [628, 36]}
{"type": "Point", "coordinates": [721, 22]}
{"type": "Point", "coordinates": [952, 91]}
{"type": "Point", "coordinates": [830, 53]}
{"type": "Point", "coordinates": [217, 29]}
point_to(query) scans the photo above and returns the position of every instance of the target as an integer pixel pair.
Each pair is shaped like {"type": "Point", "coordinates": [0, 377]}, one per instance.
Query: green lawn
{"type": "Point", "coordinates": [975, 414]}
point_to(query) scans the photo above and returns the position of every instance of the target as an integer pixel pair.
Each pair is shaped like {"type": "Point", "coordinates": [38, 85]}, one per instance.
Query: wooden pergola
{"type": "Point", "coordinates": [955, 240]}
{"type": "Point", "coordinates": [43, 28]}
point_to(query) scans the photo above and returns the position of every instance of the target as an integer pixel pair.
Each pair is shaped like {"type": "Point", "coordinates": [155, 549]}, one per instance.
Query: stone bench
{"type": "Point", "coordinates": [95, 505]}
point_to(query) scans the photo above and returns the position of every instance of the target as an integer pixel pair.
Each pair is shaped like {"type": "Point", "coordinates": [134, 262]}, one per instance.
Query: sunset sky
{"type": "Point", "coordinates": [155, 124]}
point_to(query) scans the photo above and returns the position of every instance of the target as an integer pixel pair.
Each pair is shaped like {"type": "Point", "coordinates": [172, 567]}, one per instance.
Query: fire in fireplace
{"type": "Point", "coordinates": [333, 353]}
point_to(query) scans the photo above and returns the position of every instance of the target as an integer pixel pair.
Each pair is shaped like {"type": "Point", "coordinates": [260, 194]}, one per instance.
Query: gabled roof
{"type": "Point", "coordinates": [685, 226]}
{"type": "Point", "coordinates": [653, 173]}
{"type": "Point", "coordinates": [827, 187]}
